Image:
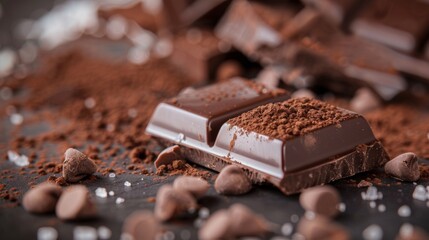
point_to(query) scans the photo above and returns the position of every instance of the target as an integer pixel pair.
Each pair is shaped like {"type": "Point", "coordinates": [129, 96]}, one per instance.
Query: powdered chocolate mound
{"type": "Point", "coordinates": [291, 118]}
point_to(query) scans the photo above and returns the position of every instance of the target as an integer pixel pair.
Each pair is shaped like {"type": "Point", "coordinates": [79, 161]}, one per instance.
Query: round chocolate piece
{"type": "Point", "coordinates": [246, 223]}
{"type": "Point", "coordinates": [194, 185]}
{"type": "Point", "coordinates": [232, 181]}
{"type": "Point", "coordinates": [171, 203]}
{"type": "Point", "coordinates": [42, 198]}
{"type": "Point", "coordinates": [321, 200]}
{"type": "Point", "coordinates": [75, 204]}
{"type": "Point", "coordinates": [216, 227]}
{"type": "Point", "coordinates": [77, 166]}
{"type": "Point", "coordinates": [321, 228]}
{"type": "Point", "coordinates": [141, 225]}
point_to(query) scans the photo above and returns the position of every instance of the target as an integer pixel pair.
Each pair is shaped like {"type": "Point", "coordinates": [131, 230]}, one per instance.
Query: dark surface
{"type": "Point", "coordinates": [16, 223]}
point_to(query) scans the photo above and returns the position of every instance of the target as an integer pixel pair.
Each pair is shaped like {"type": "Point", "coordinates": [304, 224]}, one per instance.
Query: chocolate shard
{"type": "Point", "coordinates": [77, 166]}
{"type": "Point", "coordinates": [402, 25]}
{"type": "Point", "coordinates": [404, 167]}
{"type": "Point", "coordinates": [42, 199]}
{"type": "Point", "coordinates": [168, 155]}
{"type": "Point", "coordinates": [251, 25]}
{"type": "Point", "coordinates": [294, 144]}
{"type": "Point", "coordinates": [76, 204]}
{"type": "Point", "coordinates": [141, 225]}
{"type": "Point", "coordinates": [322, 200]}
{"type": "Point", "coordinates": [194, 185]}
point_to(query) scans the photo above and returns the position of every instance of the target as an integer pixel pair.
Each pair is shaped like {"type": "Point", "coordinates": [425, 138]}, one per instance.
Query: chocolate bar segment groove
{"type": "Point", "coordinates": [293, 144]}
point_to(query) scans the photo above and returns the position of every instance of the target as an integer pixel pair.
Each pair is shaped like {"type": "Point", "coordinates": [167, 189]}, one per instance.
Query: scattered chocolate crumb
{"type": "Point", "coordinates": [364, 184]}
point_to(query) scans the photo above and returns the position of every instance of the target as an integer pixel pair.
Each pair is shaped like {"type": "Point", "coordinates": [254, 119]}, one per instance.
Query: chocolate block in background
{"type": "Point", "coordinates": [399, 24]}
{"type": "Point", "coordinates": [323, 51]}
{"type": "Point", "coordinates": [203, 57]}
{"type": "Point", "coordinates": [145, 17]}
{"type": "Point", "coordinates": [293, 144]}
{"type": "Point", "coordinates": [179, 14]}
{"type": "Point", "coordinates": [250, 25]}
{"type": "Point", "coordinates": [339, 12]}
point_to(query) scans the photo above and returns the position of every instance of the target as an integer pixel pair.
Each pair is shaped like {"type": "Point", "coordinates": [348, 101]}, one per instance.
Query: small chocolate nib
{"type": "Point", "coordinates": [76, 204]}
{"type": "Point", "coordinates": [322, 200]}
{"type": "Point", "coordinates": [232, 181]}
{"type": "Point", "coordinates": [42, 199]}
{"type": "Point", "coordinates": [193, 185]}
{"type": "Point", "coordinates": [404, 167]}
{"type": "Point", "coordinates": [168, 155]}
{"type": "Point", "coordinates": [237, 221]}
{"type": "Point", "coordinates": [77, 166]}
{"type": "Point", "coordinates": [172, 203]}
{"type": "Point", "coordinates": [141, 225]}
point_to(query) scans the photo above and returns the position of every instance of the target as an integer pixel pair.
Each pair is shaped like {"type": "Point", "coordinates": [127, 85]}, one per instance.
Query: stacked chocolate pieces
{"type": "Point", "coordinates": [291, 143]}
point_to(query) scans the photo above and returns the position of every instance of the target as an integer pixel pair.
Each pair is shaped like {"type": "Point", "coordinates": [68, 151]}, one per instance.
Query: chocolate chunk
{"type": "Point", "coordinates": [321, 200]}
{"type": "Point", "coordinates": [229, 69]}
{"type": "Point", "coordinates": [75, 204]}
{"type": "Point", "coordinates": [399, 24]}
{"type": "Point", "coordinates": [404, 167]}
{"type": "Point", "coordinates": [364, 101]}
{"type": "Point", "coordinates": [77, 166]}
{"type": "Point", "coordinates": [339, 12]}
{"type": "Point", "coordinates": [194, 185]}
{"type": "Point", "coordinates": [237, 221]}
{"type": "Point", "coordinates": [141, 225]}
{"type": "Point", "coordinates": [232, 181]}
{"type": "Point", "coordinates": [216, 227]}
{"type": "Point", "coordinates": [244, 222]}
{"type": "Point", "coordinates": [321, 228]}
{"type": "Point", "coordinates": [326, 53]}
{"type": "Point", "coordinates": [364, 184]}
{"type": "Point", "coordinates": [172, 203]}
{"type": "Point", "coordinates": [168, 155]}
{"type": "Point", "coordinates": [250, 25]}
{"type": "Point", "coordinates": [292, 144]}
{"type": "Point", "coordinates": [42, 199]}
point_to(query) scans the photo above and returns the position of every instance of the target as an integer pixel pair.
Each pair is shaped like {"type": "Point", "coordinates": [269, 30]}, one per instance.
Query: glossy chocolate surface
{"type": "Point", "coordinates": [193, 120]}
{"type": "Point", "coordinates": [200, 114]}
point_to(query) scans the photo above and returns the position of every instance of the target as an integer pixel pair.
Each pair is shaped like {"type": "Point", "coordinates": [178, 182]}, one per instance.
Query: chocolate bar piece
{"type": "Point", "coordinates": [339, 12]}
{"type": "Point", "coordinates": [402, 25]}
{"type": "Point", "coordinates": [249, 26]}
{"type": "Point", "coordinates": [293, 144]}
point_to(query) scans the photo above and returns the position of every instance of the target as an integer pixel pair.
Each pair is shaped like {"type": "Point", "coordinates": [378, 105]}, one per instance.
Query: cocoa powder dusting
{"type": "Point", "coordinates": [291, 118]}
